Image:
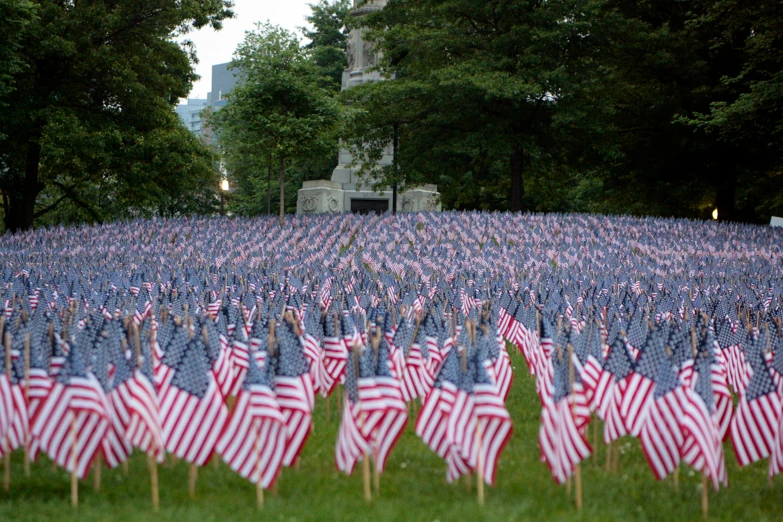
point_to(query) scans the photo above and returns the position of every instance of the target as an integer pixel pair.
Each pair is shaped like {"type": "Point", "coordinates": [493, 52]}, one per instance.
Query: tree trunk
{"type": "Point", "coordinates": [395, 161]}
{"type": "Point", "coordinates": [282, 192]}
{"type": "Point", "coordinates": [19, 199]}
{"type": "Point", "coordinates": [31, 186]}
{"type": "Point", "coordinates": [517, 186]}
{"type": "Point", "coordinates": [269, 187]}
{"type": "Point", "coordinates": [11, 207]}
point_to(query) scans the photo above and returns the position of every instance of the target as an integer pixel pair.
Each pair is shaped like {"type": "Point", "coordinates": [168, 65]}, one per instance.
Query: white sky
{"type": "Point", "coordinates": [213, 47]}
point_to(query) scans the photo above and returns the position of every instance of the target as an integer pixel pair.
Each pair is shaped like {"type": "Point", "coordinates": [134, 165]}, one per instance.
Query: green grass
{"type": "Point", "coordinates": [413, 487]}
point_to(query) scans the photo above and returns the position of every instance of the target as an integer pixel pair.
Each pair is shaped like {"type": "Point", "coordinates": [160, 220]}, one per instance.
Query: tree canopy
{"type": "Point", "coordinates": [91, 113]}
{"type": "Point", "coordinates": [281, 111]}
{"type": "Point", "coordinates": [668, 108]}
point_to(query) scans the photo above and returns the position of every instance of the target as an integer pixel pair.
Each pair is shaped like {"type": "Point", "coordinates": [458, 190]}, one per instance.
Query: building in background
{"type": "Point", "coordinates": [190, 114]}
{"type": "Point", "coordinates": [223, 80]}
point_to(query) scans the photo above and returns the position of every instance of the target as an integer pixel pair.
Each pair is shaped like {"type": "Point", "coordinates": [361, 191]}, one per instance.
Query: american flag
{"type": "Point", "coordinates": [6, 403]}
{"type": "Point", "coordinates": [115, 446]}
{"type": "Point", "coordinates": [39, 387]}
{"type": "Point", "coordinates": [136, 404]}
{"type": "Point", "coordinates": [703, 448]}
{"type": "Point", "coordinates": [335, 355]}
{"type": "Point", "coordinates": [294, 390]}
{"type": "Point", "coordinates": [637, 397]}
{"type": "Point", "coordinates": [191, 407]}
{"type": "Point", "coordinates": [17, 433]}
{"type": "Point", "coordinates": [432, 423]}
{"type": "Point", "coordinates": [662, 434]}
{"type": "Point", "coordinates": [493, 422]}
{"type": "Point", "coordinates": [311, 340]}
{"type": "Point", "coordinates": [72, 422]}
{"type": "Point", "coordinates": [756, 421]}
{"type": "Point", "coordinates": [620, 365]}
{"type": "Point", "coordinates": [563, 444]}
{"type": "Point", "coordinates": [352, 443]}
{"type": "Point", "coordinates": [254, 441]}
{"type": "Point", "coordinates": [394, 414]}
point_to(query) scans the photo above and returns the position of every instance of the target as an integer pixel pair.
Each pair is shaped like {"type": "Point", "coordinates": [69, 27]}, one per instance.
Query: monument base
{"type": "Point", "coordinates": [321, 196]}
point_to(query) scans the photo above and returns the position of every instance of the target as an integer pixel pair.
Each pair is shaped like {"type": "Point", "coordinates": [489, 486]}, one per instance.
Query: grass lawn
{"type": "Point", "coordinates": [413, 488]}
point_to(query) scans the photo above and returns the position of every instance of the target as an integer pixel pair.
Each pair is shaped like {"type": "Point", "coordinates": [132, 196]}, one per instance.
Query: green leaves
{"type": "Point", "coordinates": [94, 88]}
{"type": "Point", "coordinates": [280, 113]}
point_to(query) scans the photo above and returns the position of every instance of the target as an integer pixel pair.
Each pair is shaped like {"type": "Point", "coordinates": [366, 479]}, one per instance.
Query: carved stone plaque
{"type": "Point", "coordinates": [309, 204]}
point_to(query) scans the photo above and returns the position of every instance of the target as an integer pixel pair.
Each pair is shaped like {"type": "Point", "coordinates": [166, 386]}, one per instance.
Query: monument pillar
{"type": "Point", "coordinates": [346, 192]}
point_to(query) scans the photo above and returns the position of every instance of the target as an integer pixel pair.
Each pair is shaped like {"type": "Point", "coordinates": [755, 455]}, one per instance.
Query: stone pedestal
{"type": "Point", "coordinates": [317, 197]}
{"type": "Point", "coordinates": [346, 192]}
{"type": "Point", "coordinates": [322, 196]}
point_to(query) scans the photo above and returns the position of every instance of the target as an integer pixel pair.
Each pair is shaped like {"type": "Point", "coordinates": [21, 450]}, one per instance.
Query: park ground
{"type": "Point", "coordinates": [412, 488]}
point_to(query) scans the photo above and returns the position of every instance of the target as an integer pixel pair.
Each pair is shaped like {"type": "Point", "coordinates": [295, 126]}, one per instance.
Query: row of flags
{"type": "Point", "coordinates": [197, 337]}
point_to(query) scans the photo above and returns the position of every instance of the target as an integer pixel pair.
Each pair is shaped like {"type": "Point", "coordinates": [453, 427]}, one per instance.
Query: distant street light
{"type": "Point", "coordinates": [223, 190]}
{"type": "Point", "coordinates": [715, 214]}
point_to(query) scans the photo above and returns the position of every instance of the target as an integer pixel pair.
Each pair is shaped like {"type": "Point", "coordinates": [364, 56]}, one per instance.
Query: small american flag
{"type": "Point", "coordinates": [191, 407]}
{"type": "Point", "coordinates": [254, 441]}
{"type": "Point", "coordinates": [75, 405]}
{"type": "Point", "coordinates": [295, 394]}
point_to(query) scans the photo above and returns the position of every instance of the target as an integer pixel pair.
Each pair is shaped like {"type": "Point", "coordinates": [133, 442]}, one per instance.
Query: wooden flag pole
{"type": "Point", "coordinates": [153, 463]}
{"type": "Point", "coordinates": [192, 476]}
{"type": "Point", "coordinates": [578, 468]}
{"type": "Point", "coordinates": [96, 472]}
{"type": "Point", "coordinates": [375, 343]}
{"type": "Point", "coordinates": [74, 472]}
{"type": "Point", "coordinates": [259, 487]}
{"type": "Point", "coordinates": [7, 471]}
{"type": "Point", "coordinates": [366, 477]}
{"type": "Point", "coordinates": [479, 466]}
{"type": "Point", "coordinates": [616, 459]}
{"type": "Point", "coordinates": [27, 401]}
{"type": "Point", "coordinates": [705, 497]}
{"type": "Point", "coordinates": [7, 456]}
{"type": "Point", "coordinates": [376, 476]}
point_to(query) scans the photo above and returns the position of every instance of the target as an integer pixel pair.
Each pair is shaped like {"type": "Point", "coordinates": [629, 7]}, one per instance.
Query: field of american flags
{"type": "Point", "coordinates": [487, 351]}
{"type": "Point", "coordinates": [412, 488]}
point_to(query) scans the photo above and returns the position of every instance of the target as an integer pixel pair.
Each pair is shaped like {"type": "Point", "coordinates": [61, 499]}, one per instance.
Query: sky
{"type": "Point", "coordinates": [213, 47]}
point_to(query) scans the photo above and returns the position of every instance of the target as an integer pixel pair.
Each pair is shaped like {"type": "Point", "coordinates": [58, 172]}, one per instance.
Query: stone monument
{"type": "Point", "coordinates": [346, 192]}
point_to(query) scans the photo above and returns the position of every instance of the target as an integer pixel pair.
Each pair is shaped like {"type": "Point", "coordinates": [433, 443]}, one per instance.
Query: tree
{"type": "Point", "coordinates": [95, 80]}
{"type": "Point", "coordinates": [689, 104]}
{"type": "Point", "coordinates": [746, 101]}
{"type": "Point", "coordinates": [167, 172]}
{"type": "Point", "coordinates": [15, 15]}
{"type": "Point", "coordinates": [280, 110]}
{"type": "Point", "coordinates": [328, 39]}
{"type": "Point", "coordinates": [479, 91]}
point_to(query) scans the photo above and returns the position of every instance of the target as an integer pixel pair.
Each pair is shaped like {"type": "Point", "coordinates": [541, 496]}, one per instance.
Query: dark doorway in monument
{"type": "Point", "coordinates": [369, 206]}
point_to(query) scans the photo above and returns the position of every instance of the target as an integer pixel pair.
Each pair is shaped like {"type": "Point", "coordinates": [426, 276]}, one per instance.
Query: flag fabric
{"type": "Point", "coordinates": [254, 441]}
{"type": "Point", "coordinates": [563, 443]}
{"type": "Point", "coordinates": [662, 436]}
{"type": "Point", "coordinates": [702, 447]}
{"type": "Point", "coordinates": [294, 390]}
{"type": "Point", "coordinates": [755, 425]}
{"type": "Point", "coordinates": [71, 423]}
{"type": "Point", "coordinates": [192, 410]}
